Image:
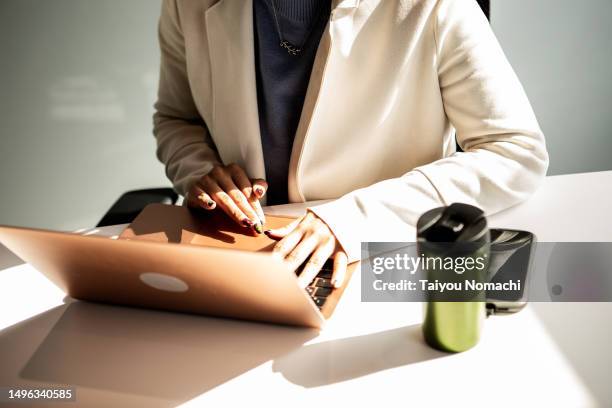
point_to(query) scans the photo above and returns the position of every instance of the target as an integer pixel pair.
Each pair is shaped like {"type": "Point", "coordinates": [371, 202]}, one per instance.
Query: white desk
{"type": "Point", "coordinates": [368, 354]}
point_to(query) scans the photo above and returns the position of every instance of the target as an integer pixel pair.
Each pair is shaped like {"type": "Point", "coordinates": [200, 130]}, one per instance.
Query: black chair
{"type": "Point", "coordinates": [129, 205]}
{"type": "Point", "coordinates": [485, 5]}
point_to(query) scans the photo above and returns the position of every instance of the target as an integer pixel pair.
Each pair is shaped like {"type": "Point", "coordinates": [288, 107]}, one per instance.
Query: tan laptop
{"type": "Point", "coordinates": [177, 259]}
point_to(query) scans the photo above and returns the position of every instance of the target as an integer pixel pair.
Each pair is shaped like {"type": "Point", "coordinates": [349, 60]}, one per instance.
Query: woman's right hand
{"type": "Point", "coordinates": [230, 189]}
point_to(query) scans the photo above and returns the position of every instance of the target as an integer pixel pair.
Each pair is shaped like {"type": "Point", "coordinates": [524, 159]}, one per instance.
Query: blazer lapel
{"type": "Point", "coordinates": [340, 25]}
{"type": "Point", "coordinates": [235, 127]}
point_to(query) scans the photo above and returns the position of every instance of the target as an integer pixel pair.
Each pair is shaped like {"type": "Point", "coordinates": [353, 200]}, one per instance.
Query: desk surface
{"type": "Point", "coordinates": [367, 354]}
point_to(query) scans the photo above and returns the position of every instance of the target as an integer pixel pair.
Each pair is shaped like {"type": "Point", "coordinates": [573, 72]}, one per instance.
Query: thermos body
{"type": "Point", "coordinates": [453, 326]}
{"type": "Point", "coordinates": [454, 322]}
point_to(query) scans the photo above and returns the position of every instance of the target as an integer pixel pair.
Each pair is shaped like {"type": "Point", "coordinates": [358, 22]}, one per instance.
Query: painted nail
{"type": "Point", "coordinates": [247, 223]}
{"type": "Point", "coordinates": [259, 191]}
{"type": "Point", "coordinates": [210, 203]}
{"type": "Point", "coordinates": [268, 233]}
{"type": "Point", "coordinates": [258, 228]}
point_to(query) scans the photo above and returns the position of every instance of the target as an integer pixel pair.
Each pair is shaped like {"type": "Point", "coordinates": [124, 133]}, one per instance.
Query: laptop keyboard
{"type": "Point", "coordinates": [321, 287]}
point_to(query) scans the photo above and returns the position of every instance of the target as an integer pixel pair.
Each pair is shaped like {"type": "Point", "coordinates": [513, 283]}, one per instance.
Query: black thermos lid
{"type": "Point", "coordinates": [455, 223]}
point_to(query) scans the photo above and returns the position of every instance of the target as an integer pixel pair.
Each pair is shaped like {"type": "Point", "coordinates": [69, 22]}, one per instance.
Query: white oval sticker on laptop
{"type": "Point", "coordinates": [164, 282]}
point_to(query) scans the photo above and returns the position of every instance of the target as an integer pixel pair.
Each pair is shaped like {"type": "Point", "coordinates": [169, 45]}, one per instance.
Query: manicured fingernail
{"type": "Point", "coordinates": [268, 233]}
{"type": "Point", "coordinates": [210, 203]}
{"type": "Point", "coordinates": [247, 223]}
{"type": "Point", "coordinates": [259, 191]}
{"type": "Point", "coordinates": [258, 228]}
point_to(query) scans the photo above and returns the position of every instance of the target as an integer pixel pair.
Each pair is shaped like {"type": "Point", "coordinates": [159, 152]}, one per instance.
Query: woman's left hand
{"type": "Point", "coordinates": [310, 238]}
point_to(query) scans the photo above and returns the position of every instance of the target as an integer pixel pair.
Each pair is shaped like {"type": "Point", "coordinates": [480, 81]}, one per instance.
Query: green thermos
{"type": "Point", "coordinates": [449, 239]}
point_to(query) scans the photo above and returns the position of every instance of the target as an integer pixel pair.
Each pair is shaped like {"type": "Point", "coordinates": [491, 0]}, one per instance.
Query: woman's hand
{"type": "Point", "coordinates": [229, 188]}
{"type": "Point", "coordinates": [310, 238]}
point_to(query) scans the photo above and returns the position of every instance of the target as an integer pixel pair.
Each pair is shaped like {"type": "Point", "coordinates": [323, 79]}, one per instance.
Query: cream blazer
{"type": "Point", "coordinates": [393, 82]}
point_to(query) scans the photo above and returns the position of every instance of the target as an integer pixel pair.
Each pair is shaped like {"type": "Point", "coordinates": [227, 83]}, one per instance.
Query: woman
{"type": "Point", "coordinates": [358, 101]}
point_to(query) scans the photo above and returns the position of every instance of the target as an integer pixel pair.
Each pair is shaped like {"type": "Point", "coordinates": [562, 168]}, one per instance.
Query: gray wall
{"type": "Point", "coordinates": [562, 52]}
{"type": "Point", "coordinates": [78, 80]}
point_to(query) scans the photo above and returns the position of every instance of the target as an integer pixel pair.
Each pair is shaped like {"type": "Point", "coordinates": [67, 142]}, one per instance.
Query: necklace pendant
{"type": "Point", "coordinates": [290, 48]}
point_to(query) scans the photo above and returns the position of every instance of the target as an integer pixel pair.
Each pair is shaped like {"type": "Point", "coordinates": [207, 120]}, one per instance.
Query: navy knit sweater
{"type": "Point", "coordinates": [282, 79]}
